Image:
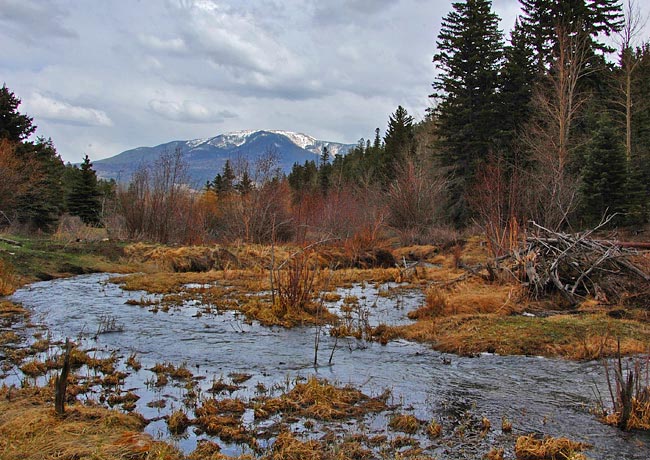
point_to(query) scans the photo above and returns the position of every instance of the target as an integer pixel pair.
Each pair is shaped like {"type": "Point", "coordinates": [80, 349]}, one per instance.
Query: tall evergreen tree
{"type": "Point", "coordinates": [640, 133]}
{"type": "Point", "coordinates": [40, 206]}
{"type": "Point", "coordinates": [470, 51]}
{"type": "Point", "coordinates": [83, 200]}
{"type": "Point", "coordinates": [324, 171]}
{"type": "Point", "coordinates": [517, 79]}
{"type": "Point", "coordinates": [399, 143]}
{"type": "Point", "coordinates": [42, 200]}
{"type": "Point", "coordinates": [224, 183]}
{"type": "Point", "coordinates": [604, 175]}
{"type": "Point", "coordinates": [14, 126]}
{"type": "Point", "coordinates": [541, 18]}
{"type": "Point", "coordinates": [245, 184]}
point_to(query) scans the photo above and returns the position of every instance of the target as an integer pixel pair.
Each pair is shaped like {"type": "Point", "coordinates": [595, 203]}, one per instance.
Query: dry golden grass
{"type": "Point", "coordinates": [226, 290]}
{"type": "Point", "coordinates": [9, 337]}
{"type": "Point", "coordinates": [639, 415]}
{"type": "Point", "coordinates": [9, 309]}
{"type": "Point", "coordinates": [506, 425]}
{"type": "Point", "coordinates": [418, 253]}
{"type": "Point", "coordinates": [435, 304]}
{"type": "Point", "coordinates": [34, 368]}
{"type": "Point", "coordinates": [8, 280]}
{"type": "Point", "coordinates": [30, 430]}
{"type": "Point", "coordinates": [405, 423]}
{"type": "Point", "coordinates": [494, 454]}
{"type": "Point", "coordinates": [560, 335]}
{"type": "Point", "coordinates": [223, 419]}
{"type": "Point", "coordinates": [321, 400]}
{"type": "Point", "coordinates": [204, 258]}
{"type": "Point", "coordinates": [434, 429]}
{"type": "Point", "coordinates": [549, 448]}
{"type": "Point", "coordinates": [288, 447]}
{"type": "Point", "coordinates": [178, 422]}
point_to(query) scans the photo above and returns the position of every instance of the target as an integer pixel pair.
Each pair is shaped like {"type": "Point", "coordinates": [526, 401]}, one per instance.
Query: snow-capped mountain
{"type": "Point", "coordinates": [206, 157]}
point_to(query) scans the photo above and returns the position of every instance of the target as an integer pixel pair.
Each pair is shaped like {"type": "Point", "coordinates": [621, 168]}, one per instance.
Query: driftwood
{"type": "Point", "coordinates": [577, 266]}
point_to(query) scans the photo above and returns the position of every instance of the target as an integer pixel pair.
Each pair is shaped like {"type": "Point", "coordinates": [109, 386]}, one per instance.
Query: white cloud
{"type": "Point", "coordinates": [63, 112]}
{"type": "Point", "coordinates": [189, 112]}
{"type": "Point", "coordinates": [154, 43]}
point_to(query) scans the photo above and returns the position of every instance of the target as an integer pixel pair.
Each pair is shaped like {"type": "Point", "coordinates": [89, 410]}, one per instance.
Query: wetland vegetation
{"type": "Point", "coordinates": [244, 404]}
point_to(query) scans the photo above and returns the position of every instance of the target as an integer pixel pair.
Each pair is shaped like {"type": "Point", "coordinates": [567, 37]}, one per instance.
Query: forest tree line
{"type": "Point", "coordinates": [550, 124]}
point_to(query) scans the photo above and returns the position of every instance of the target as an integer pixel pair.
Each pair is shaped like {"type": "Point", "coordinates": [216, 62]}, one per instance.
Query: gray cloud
{"type": "Point", "coordinates": [102, 77]}
{"type": "Point", "coordinates": [33, 20]}
{"type": "Point", "coordinates": [336, 12]}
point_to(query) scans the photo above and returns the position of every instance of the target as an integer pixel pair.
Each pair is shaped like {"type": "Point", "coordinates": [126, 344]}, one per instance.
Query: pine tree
{"type": "Point", "coordinates": [14, 126]}
{"type": "Point", "coordinates": [517, 79]}
{"type": "Point", "coordinates": [224, 183]}
{"type": "Point", "coordinates": [40, 206]}
{"type": "Point", "coordinates": [324, 171]}
{"type": "Point", "coordinates": [83, 200]}
{"type": "Point", "coordinates": [399, 143]}
{"type": "Point", "coordinates": [245, 184]}
{"type": "Point", "coordinates": [470, 51]}
{"type": "Point", "coordinates": [604, 175]}
{"type": "Point", "coordinates": [541, 18]}
{"type": "Point", "coordinates": [41, 201]}
{"type": "Point", "coordinates": [640, 130]}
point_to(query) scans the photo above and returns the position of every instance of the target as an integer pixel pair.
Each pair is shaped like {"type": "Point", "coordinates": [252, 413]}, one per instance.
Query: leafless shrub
{"type": "Point", "coordinates": [495, 199]}
{"type": "Point", "coordinates": [158, 205]}
{"type": "Point", "coordinates": [295, 282]}
{"type": "Point", "coordinates": [413, 201]}
{"type": "Point", "coordinates": [259, 213]}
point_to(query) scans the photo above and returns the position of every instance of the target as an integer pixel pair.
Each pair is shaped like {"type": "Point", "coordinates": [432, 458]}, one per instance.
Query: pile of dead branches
{"type": "Point", "coordinates": [578, 266]}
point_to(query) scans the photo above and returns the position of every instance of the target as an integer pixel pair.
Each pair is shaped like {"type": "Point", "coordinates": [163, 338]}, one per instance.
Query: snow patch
{"type": "Point", "coordinates": [238, 138]}
{"type": "Point", "coordinates": [301, 140]}
{"type": "Point", "coordinates": [196, 142]}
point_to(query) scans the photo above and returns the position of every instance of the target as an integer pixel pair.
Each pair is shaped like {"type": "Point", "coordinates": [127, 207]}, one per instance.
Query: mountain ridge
{"type": "Point", "coordinates": [205, 157]}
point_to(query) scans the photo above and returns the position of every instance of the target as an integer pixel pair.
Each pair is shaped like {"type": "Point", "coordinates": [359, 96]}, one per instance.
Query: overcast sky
{"type": "Point", "coordinates": [100, 77]}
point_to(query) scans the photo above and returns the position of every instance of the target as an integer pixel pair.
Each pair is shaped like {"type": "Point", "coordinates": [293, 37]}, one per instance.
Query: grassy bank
{"type": "Point", "coordinates": [36, 259]}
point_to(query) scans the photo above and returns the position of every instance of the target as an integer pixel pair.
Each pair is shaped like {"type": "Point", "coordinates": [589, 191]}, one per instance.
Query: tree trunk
{"type": "Point", "coordinates": [61, 382]}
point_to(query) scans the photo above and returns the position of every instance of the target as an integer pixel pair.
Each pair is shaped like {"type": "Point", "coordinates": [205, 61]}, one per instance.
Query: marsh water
{"type": "Point", "coordinates": [538, 395]}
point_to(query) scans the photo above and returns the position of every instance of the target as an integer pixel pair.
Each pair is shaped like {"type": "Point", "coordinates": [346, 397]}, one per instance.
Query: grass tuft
{"type": "Point", "coordinates": [531, 448]}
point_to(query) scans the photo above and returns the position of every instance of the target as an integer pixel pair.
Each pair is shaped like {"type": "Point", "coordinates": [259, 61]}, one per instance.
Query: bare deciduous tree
{"type": "Point", "coordinates": [549, 137]}
{"type": "Point", "coordinates": [158, 205]}
{"type": "Point", "coordinates": [633, 25]}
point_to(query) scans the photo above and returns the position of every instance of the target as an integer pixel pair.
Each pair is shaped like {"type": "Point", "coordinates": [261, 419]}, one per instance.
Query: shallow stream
{"type": "Point", "coordinates": [538, 395]}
